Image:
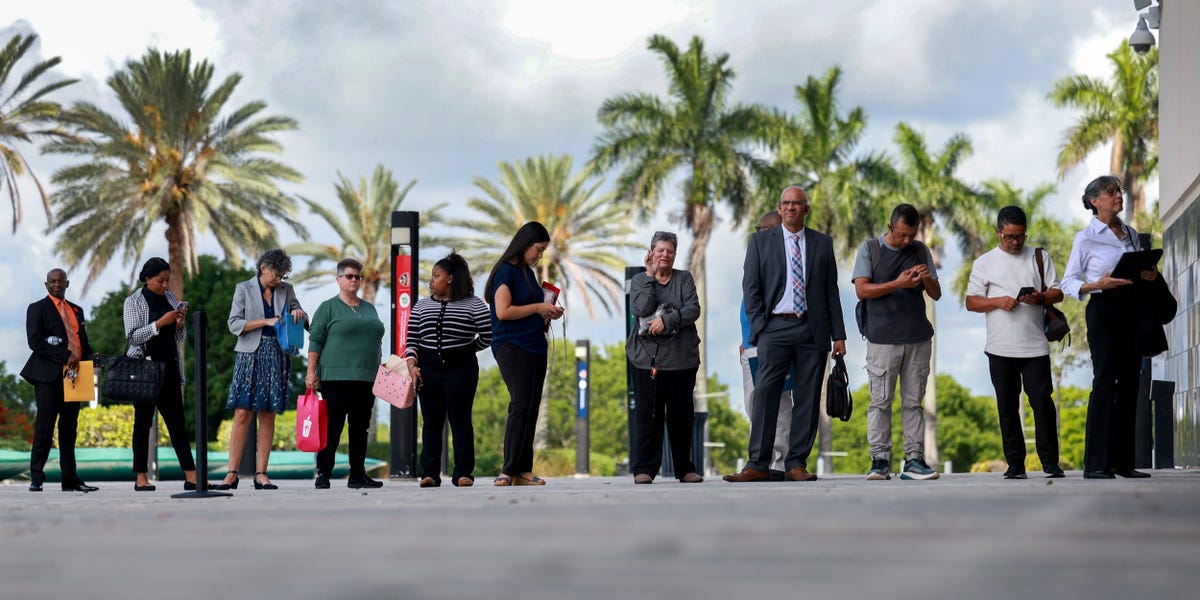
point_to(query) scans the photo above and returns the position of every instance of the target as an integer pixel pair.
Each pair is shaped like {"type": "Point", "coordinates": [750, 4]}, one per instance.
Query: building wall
{"type": "Point", "coordinates": [1179, 187]}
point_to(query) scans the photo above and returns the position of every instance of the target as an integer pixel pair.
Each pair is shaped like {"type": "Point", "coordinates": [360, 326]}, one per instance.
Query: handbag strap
{"type": "Point", "coordinates": [1037, 255]}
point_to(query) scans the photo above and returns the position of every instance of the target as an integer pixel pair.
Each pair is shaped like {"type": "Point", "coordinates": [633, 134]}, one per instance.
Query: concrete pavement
{"type": "Point", "coordinates": [964, 536]}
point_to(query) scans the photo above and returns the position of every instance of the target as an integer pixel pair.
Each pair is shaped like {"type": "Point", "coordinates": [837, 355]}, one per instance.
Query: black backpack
{"type": "Point", "coordinates": [838, 403]}
{"type": "Point", "coordinates": [860, 309]}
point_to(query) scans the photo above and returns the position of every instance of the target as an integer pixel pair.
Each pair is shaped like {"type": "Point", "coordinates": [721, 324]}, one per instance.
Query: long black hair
{"type": "Point", "coordinates": [461, 285]}
{"type": "Point", "coordinates": [529, 234]}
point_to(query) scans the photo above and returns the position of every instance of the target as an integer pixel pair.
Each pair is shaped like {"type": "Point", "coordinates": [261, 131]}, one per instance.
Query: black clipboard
{"type": "Point", "coordinates": [1132, 264]}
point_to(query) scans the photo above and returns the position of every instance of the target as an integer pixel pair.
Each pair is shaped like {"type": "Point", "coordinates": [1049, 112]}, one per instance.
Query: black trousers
{"type": "Point", "coordinates": [1112, 407]}
{"type": "Point", "coordinates": [170, 405]}
{"type": "Point", "coordinates": [51, 408]}
{"type": "Point", "coordinates": [1009, 375]}
{"type": "Point", "coordinates": [448, 392]}
{"type": "Point", "coordinates": [784, 345]}
{"type": "Point", "coordinates": [347, 401]}
{"type": "Point", "coordinates": [665, 399]}
{"type": "Point", "coordinates": [524, 374]}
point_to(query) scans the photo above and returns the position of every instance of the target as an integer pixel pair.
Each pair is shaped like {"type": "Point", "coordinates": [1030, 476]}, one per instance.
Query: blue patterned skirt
{"type": "Point", "coordinates": [260, 378]}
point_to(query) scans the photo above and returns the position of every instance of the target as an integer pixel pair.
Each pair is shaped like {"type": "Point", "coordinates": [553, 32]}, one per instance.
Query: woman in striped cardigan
{"type": "Point", "coordinates": [444, 333]}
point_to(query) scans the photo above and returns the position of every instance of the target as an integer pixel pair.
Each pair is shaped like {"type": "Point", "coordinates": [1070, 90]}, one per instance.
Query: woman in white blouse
{"type": "Point", "coordinates": [1111, 330]}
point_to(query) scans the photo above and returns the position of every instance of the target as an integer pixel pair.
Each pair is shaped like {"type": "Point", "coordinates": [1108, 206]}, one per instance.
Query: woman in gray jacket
{"type": "Point", "coordinates": [260, 375]}
{"type": "Point", "coordinates": [665, 352]}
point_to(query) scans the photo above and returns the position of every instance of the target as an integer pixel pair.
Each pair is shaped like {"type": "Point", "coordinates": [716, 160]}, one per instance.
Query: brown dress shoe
{"type": "Point", "coordinates": [747, 475]}
{"type": "Point", "coordinates": [799, 474]}
{"type": "Point", "coordinates": [642, 478]}
{"type": "Point", "coordinates": [691, 478]}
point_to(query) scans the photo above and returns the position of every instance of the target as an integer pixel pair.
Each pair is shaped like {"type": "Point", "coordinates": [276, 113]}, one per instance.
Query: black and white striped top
{"type": "Point", "coordinates": [441, 326]}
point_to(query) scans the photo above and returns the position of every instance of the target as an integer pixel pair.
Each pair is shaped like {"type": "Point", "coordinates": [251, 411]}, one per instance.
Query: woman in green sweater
{"type": "Point", "coordinates": [343, 357]}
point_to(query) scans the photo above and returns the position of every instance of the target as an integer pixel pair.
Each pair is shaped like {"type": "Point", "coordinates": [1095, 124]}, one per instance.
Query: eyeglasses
{"type": "Point", "coordinates": [1020, 237]}
{"type": "Point", "coordinates": [1112, 190]}
{"type": "Point", "coordinates": [352, 276]}
{"type": "Point", "coordinates": [277, 274]}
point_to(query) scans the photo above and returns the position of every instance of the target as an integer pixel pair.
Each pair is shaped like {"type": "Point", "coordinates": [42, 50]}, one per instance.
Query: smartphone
{"type": "Point", "coordinates": [1025, 291]}
{"type": "Point", "coordinates": [182, 306]}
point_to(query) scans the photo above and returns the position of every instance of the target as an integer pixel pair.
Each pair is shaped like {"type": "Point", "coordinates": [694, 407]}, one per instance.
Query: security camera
{"type": "Point", "coordinates": [1142, 39]}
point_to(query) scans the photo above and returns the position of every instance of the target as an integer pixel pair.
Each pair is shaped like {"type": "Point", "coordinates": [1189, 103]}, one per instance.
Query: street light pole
{"type": "Point", "coordinates": [405, 264]}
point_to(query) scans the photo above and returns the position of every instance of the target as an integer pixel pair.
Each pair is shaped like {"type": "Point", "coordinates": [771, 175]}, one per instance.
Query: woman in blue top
{"type": "Point", "coordinates": [519, 317]}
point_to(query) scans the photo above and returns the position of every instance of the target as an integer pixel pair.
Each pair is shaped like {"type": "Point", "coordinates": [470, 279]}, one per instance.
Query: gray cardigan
{"type": "Point", "coordinates": [247, 306]}
{"type": "Point", "coordinates": [672, 352]}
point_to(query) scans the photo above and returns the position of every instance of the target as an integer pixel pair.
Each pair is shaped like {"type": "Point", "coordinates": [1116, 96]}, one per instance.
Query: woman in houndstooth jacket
{"type": "Point", "coordinates": [154, 321]}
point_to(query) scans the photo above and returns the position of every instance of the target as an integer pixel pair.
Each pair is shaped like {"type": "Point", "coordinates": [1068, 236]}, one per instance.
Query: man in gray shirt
{"type": "Point", "coordinates": [890, 274]}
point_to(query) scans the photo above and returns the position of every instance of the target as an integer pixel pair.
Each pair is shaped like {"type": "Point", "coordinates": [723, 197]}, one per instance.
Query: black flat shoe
{"type": "Point", "coordinates": [1132, 474]}
{"type": "Point", "coordinates": [321, 482]}
{"type": "Point", "coordinates": [79, 487]}
{"type": "Point", "coordinates": [189, 486]}
{"type": "Point", "coordinates": [35, 487]}
{"type": "Point", "coordinates": [1015, 475]}
{"type": "Point", "coordinates": [226, 486]}
{"type": "Point", "coordinates": [1098, 475]}
{"type": "Point", "coordinates": [149, 487]}
{"type": "Point", "coordinates": [1056, 474]}
{"type": "Point", "coordinates": [263, 486]}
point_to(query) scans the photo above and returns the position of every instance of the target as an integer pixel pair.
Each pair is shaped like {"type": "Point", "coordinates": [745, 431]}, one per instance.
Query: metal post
{"type": "Point", "coordinates": [630, 397]}
{"type": "Point", "coordinates": [405, 266]}
{"type": "Point", "coordinates": [1163, 395]}
{"type": "Point", "coordinates": [200, 379]}
{"type": "Point", "coordinates": [582, 429]}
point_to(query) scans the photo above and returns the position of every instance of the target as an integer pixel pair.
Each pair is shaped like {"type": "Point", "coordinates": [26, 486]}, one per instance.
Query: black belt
{"type": "Point", "coordinates": [794, 316]}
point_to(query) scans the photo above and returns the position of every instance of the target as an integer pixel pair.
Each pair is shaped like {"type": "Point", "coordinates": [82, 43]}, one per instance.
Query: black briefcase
{"type": "Point", "coordinates": [838, 403]}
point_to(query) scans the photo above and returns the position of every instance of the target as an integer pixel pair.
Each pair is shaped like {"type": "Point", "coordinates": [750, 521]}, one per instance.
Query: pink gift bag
{"type": "Point", "coordinates": [312, 425]}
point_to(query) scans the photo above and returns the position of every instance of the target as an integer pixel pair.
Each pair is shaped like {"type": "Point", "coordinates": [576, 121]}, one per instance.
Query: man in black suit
{"type": "Point", "coordinates": [790, 288]}
{"type": "Point", "coordinates": [58, 338]}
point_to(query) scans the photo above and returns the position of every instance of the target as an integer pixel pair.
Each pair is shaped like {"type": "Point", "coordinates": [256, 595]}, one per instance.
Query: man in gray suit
{"type": "Point", "coordinates": [790, 288]}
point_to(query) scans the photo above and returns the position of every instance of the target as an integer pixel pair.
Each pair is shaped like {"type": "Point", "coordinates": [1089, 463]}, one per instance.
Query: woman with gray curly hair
{"type": "Point", "coordinates": [260, 375]}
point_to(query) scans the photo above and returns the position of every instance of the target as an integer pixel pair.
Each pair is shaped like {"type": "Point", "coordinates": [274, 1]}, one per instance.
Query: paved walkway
{"type": "Point", "coordinates": [964, 536]}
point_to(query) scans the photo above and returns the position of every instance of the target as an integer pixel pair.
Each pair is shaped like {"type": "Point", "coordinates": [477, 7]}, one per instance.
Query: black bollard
{"type": "Point", "coordinates": [200, 377]}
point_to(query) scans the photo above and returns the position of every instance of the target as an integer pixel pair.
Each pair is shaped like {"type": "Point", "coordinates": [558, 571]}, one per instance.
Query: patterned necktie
{"type": "Point", "coordinates": [796, 269]}
{"type": "Point", "coordinates": [72, 343]}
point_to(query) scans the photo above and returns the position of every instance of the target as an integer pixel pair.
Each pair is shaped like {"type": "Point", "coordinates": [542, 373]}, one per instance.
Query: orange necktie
{"type": "Point", "coordinates": [72, 337]}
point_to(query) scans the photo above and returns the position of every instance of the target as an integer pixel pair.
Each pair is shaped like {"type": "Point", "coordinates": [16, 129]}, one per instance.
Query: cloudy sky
{"type": "Point", "coordinates": [443, 91]}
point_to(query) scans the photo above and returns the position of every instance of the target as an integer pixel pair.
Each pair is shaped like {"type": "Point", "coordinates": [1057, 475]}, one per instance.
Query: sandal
{"type": "Point", "coordinates": [464, 481]}
{"type": "Point", "coordinates": [502, 481]}
{"type": "Point", "coordinates": [524, 481]}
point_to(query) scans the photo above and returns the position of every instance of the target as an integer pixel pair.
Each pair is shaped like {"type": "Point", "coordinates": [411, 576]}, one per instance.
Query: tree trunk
{"type": "Point", "coordinates": [542, 425]}
{"type": "Point", "coordinates": [175, 254]}
{"type": "Point", "coordinates": [702, 219]}
{"type": "Point", "coordinates": [930, 403]}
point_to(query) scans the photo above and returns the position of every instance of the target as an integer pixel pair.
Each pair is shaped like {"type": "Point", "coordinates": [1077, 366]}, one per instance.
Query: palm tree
{"type": "Point", "coordinates": [178, 160]}
{"type": "Point", "coordinates": [587, 233]}
{"type": "Point", "coordinates": [24, 116]}
{"type": "Point", "coordinates": [816, 151]}
{"type": "Point", "coordinates": [366, 232]}
{"type": "Point", "coordinates": [1122, 111]}
{"type": "Point", "coordinates": [695, 132]}
{"type": "Point", "coordinates": [587, 230]}
{"type": "Point", "coordinates": [933, 187]}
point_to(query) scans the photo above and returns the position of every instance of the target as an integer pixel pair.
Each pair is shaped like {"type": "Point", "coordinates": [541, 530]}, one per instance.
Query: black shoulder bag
{"type": "Point", "coordinates": [129, 380]}
{"type": "Point", "coordinates": [1054, 322]}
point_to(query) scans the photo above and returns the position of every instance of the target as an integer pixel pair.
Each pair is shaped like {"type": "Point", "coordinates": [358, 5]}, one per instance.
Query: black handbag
{"type": "Point", "coordinates": [1054, 322]}
{"type": "Point", "coordinates": [838, 403]}
{"type": "Point", "coordinates": [129, 380]}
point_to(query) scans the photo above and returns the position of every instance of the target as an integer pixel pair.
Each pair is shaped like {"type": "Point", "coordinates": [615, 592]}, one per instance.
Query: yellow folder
{"type": "Point", "coordinates": [83, 389]}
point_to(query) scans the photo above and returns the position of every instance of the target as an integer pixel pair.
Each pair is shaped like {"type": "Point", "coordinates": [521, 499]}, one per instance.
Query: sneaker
{"type": "Point", "coordinates": [362, 481]}
{"type": "Point", "coordinates": [881, 470]}
{"type": "Point", "coordinates": [917, 469]}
